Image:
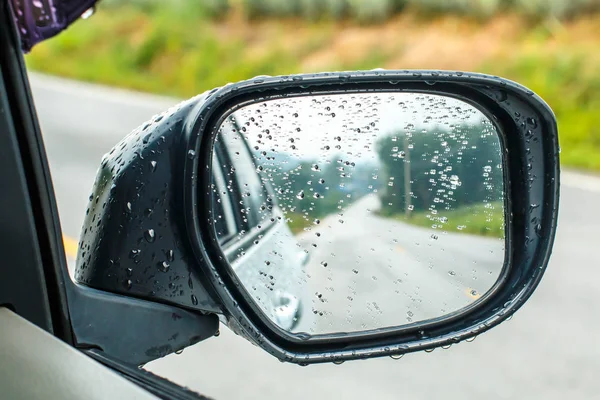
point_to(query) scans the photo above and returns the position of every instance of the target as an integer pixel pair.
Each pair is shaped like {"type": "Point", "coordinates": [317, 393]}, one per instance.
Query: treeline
{"type": "Point", "coordinates": [310, 190]}
{"type": "Point", "coordinates": [440, 169]}
{"type": "Point", "coordinates": [368, 11]}
{"type": "Point", "coordinates": [447, 169]}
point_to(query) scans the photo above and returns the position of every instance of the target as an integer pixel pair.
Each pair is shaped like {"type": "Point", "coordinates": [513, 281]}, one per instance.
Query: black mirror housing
{"type": "Point", "coordinates": [147, 232]}
{"type": "Point", "coordinates": [133, 241]}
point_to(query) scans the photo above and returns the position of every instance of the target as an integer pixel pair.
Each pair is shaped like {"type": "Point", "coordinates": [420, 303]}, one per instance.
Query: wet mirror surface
{"type": "Point", "coordinates": [352, 212]}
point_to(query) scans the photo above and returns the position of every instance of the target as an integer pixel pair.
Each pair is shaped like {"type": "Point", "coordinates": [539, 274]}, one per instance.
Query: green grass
{"type": "Point", "coordinates": [297, 221]}
{"type": "Point", "coordinates": [480, 219]}
{"type": "Point", "coordinates": [568, 80]}
{"type": "Point", "coordinates": [183, 48]}
{"type": "Point", "coordinates": [369, 11]}
{"type": "Point", "coordinates": [162, 51]}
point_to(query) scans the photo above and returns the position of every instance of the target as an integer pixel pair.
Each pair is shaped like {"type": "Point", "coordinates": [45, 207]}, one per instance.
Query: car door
{"type": "Point", "coordinates": [253, 231]}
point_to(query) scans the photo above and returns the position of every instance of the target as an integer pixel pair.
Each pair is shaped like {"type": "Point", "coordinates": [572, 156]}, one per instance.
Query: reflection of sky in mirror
{"type": "Point", "coordinates": [317, 127]}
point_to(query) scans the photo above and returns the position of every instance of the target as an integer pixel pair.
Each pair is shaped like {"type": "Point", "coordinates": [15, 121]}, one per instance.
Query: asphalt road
{"type": "Point", "coordinates": [381, 272]}
{"type": "Point", "coordinates": [548, 350]}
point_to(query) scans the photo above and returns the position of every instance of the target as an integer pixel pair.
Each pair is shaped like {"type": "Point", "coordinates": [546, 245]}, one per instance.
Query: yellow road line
{"type": "Point", "coordinates": [472, 293]}
{"type": "Point", "coordinates": [71, 246]}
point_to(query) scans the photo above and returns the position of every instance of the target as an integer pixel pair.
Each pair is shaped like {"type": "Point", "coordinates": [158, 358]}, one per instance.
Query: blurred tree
{"type": "Point", "coordinates": [317, 189]}
{"type": "Point", "coordinates": [449, 168]}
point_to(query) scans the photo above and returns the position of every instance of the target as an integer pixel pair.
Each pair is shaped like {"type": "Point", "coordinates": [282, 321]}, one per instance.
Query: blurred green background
{"type": "Point", "coordinates": [183, 47]}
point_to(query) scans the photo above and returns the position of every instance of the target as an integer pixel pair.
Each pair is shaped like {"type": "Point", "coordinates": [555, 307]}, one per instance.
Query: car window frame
{"type": "Point", "coordinates": [36, 286]}
{"type": "Point", "coordinates": [236, 245]}
{"type": "Point", "coordinates": [221, 191]}
{"type": "Point", "coordinates": [253, 216]}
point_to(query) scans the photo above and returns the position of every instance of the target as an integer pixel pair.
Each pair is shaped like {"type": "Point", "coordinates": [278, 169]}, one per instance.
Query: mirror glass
{"type": "Point", "coordinates": [352, 212]}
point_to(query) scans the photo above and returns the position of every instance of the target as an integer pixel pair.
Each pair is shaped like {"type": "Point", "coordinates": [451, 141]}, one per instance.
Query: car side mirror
{"type": "Point", "coordinates": [334, 216]}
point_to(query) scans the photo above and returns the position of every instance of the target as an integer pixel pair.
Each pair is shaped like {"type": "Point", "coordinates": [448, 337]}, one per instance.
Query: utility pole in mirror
{"type": "Point", "coordinates": [406, 178]}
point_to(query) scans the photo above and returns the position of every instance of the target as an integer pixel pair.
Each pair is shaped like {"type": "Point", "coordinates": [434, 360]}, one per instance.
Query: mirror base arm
{"type": "Point", "coordinates": [132, 330]}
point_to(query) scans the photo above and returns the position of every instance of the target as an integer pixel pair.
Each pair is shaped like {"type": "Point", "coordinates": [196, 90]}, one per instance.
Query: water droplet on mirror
{"type": "Point", "coordinates": [88, 13]}
{"type": "Point", "coordinates": [149, 235]}
{"type": "Point", "coordinates": [191, 154]}
{"type": "Point", "coordinates": [178, 352]}
{"type": "Point", "coordinates": [396, 356]}
{"type": "Point", "coordinates": [532, 122]}
{"type": "Point", "coordinates": [451, 273]}
{"type": "Point", "coordinates": [194, 300]}
{"type": "Point", "coordinates": [164, 266]}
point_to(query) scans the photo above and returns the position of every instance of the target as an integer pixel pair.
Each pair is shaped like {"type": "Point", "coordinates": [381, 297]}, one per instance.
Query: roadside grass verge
{"type": "Point", "coordinates": [297, 221]}
{"type": "Point", "coordinates": [568, 80]}
{"type": "Point", "coordinates": [182, 51]}
{"type": "Point", "coordinates": [478, 219]}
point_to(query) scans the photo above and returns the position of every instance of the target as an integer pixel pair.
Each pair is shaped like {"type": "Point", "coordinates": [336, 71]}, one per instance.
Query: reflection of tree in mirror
{"type": "Point", "coordinates": [448, 172]}
{"type": "Point", "coordinates": [307, 191]}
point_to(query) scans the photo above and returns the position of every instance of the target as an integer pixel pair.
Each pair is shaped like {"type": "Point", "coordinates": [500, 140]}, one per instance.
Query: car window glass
{"type": "Point", "coordinates": [252, 190]}
{"type": "Point", "coordinates": [224, 218]}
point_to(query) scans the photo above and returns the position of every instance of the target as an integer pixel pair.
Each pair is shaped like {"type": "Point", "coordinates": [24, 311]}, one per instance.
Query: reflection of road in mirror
{"type": "Point", "coordinates": [371, 271]}
{"type": "Point", "coordinates": [396, 198]}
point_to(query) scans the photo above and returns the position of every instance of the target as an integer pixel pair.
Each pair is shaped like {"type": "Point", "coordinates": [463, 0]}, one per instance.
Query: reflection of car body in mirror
{"type": "Point", "coordinates": [252, 231]}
